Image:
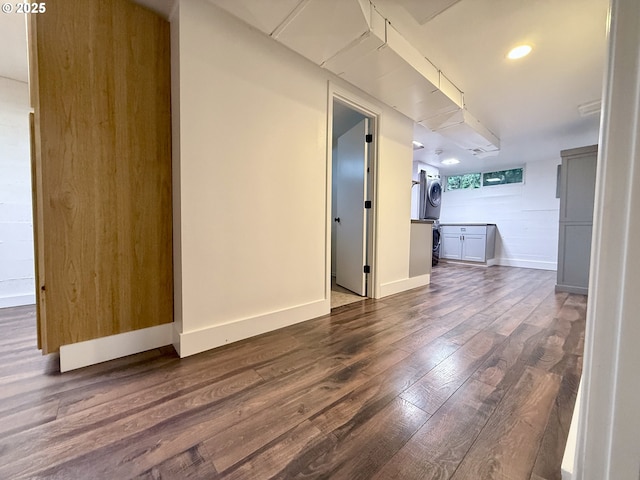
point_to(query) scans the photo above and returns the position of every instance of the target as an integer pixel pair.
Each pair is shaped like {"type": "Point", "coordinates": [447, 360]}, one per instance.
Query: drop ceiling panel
{"type": "Point", "coordinates": [263, 15]}
{"type": "Point", "coordinates": [321, 28]}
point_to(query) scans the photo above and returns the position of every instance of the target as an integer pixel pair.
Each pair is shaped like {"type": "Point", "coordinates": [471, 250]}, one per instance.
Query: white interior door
{"type": "Point", "coordinates": [350, 222]}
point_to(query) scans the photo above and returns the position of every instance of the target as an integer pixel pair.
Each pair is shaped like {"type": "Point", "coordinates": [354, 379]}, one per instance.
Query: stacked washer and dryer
{"type": "Point", "coordinates": [430, 200]}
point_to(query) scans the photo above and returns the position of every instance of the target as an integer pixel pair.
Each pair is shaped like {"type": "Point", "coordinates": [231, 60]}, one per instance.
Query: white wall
{"type": "Point", "coordinates": [526, 215]}
{"type": "Point", "coordinates": [254, 208]}
{"type": "Point", "coordinates": [17, 284]}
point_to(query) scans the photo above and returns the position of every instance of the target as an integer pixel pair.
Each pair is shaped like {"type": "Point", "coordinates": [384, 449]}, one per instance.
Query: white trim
{"type": "Point", "coordinates": [398, 286]}
{"type": "Point", "coordinates": [173, 11]}
{"type": "Point", "coordinates": [373, 113]}
{"type": "Point", "coordinates": [572, 289]}
{"type": "Point", "coordinates": [196, 341]}
{"type": "Point", "coordinates": [570, 450]}
{"type": "Point", "coordinates": [18, 300]}
{"type": "Point", "coordinates": [82, 354]}
{"type": "Point", "coordinates": [536, 264]}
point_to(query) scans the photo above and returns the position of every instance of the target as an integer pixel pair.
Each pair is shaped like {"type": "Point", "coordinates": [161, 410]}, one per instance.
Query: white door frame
{"type": "Point", "coordinates": [372, 112]}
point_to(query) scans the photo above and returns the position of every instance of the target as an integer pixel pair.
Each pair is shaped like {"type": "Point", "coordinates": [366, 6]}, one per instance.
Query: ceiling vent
{"type": "Point", "coordinates": [590, 108]}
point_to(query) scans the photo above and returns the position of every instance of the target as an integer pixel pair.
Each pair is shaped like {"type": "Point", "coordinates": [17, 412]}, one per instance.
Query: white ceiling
{"type": "Point", "coordinates": [530, 104]}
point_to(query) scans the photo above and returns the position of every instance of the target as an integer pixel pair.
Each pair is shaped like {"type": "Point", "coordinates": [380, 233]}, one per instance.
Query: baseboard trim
{"type": "Point", "coordinates": [568, 459]}
{"type": "Point", "coordinates": [572, 289]}
{"type": "Point", "coordinates": [535, 264]}
{"type": "Point", "coordinates": [91, 352]}
{"type": "Point", "coordinates": [18, 300]}
{"type": "Point", "coordinates": [196, 341]}
{"type": "Point", "coordinates": [403, 285]}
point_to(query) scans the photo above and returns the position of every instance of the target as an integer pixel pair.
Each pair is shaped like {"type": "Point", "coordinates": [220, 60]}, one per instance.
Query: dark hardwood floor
{"type": "Point", "coordinates": [473, 377]}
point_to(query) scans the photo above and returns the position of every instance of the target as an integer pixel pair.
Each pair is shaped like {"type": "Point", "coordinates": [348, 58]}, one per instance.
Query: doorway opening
{"type": "Point", "coordinates": [352, 206]}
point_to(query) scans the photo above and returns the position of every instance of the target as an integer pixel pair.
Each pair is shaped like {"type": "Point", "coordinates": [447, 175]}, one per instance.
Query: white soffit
{"type": "Point", "coordinates": [353, 40]}
{"type": "Point", "coordinates": [466, 131]}
{"type": "Point", "coordinates": [321, 28]}
{"type": "Point", "coordinates": [265, 15]}
{"type": "Point", "coordinates": [423, 11]}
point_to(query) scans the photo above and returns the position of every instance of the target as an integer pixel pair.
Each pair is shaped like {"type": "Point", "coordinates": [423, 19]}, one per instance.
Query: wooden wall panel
{"type": "Point", "coordinates": [102, 111]}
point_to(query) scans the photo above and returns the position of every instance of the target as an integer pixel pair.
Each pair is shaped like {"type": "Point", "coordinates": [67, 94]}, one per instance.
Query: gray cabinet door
{"type": "Point", "coordinates": [474, 247]}
{"type": "Point", "coordinates": [451, 246]}
{"type": "Point", "coordinates": [577, 193]}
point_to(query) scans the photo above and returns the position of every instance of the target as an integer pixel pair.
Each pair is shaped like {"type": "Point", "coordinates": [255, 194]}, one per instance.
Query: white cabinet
{"type": "Point", "coordinates": [469, 243]}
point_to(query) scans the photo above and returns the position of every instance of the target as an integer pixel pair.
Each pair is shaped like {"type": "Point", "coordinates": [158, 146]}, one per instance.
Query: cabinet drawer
{"type": "Point", "coordinates": [462, 229]}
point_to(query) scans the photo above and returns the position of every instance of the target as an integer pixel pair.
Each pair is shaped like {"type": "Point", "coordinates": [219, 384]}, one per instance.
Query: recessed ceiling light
{"type": "Point", "coordinates": [519, 52]}
{"type": "Point", "coordinates": [417, 145]}
{"type": "Point", "coordinates": [450, 161]}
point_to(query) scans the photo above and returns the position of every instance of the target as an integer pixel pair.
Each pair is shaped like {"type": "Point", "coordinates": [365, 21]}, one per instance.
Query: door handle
{"type": "Point", "coordinates": [337, 219]}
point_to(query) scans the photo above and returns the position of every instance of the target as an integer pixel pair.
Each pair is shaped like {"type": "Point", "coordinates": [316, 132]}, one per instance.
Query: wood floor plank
{"type": "Point", "coordinates": [28, 418]}
{"type": "Point", "coordinates": [174, 427]}
{"type": "Point", "coordinates": [433, 390]}
{"type": "Point", "coordinates": [494, 355]}
{"type": "Point", "coordinates": [24, 453]}
{"type": "Point", "coordinates": [282, 454]}
{"type": "Point", "coordinates": [190, 465]}
{"type": "Point", "coordinates": [230, 446]}
{"type": "Point", "coordinates": [547, 310]}
{"type": "Point", "coordinates": [500, 450]}
{"type": "Point", "coordinates": [551, 451]}
{"type": "Point", "coordinates": [359, 453]}
{"type": "Point", "coordinates": [447, 436]}
{"type": "Point", "coordinates": [507, 362]}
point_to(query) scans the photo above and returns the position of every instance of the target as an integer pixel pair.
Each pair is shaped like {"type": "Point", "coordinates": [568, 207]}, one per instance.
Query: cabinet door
{"type": "Point", "coordinates": [100, 89]}
{"type": "Point", "coordinates": [450, 246]}
{"type": "Point", "coordinates": [474, 247]}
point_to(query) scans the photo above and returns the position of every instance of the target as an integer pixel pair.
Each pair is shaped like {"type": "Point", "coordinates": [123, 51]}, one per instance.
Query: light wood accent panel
{"type": "Point", "coordinates": [101, 93]}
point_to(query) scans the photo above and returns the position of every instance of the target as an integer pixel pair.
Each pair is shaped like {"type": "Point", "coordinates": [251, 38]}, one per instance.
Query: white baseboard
{"type": "Point", "coordinates": [196, 341]}
{"type": "Point", "coordinates": [18, 300]}
{"type": "Point", "coordinates": [83, 354]}
{"type": "Point", "coordinates": [398, 286]}
{"type": "Point", "coordinates": [538, 265]}
{"type": "Point", "coordinates": [568, 460]}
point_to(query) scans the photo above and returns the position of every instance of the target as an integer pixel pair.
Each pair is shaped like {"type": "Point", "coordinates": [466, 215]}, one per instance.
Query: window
{"type": "Point", "coordinates": [467, 180]}
{"type": "Point", "coordinates": [502, 177]}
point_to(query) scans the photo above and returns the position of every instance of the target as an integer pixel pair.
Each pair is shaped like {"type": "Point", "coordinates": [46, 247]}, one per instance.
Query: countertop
{"type": "Point", "coordinates": [471, 224]}
{"type": "Point", "coordinates": [415, 220]}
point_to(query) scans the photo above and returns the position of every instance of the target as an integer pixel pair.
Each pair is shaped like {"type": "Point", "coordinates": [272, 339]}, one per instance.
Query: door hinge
{"type": "Point", "coordinates": [367, 204]}
{"type": "Point", "coordinates": [367, 269]}
{"type": "Point", "coordinates": [368, 138]}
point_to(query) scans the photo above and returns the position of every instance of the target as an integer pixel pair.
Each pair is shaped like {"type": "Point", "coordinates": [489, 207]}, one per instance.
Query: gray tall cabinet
{"type": "Point", "coordinates": [577, 192]}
